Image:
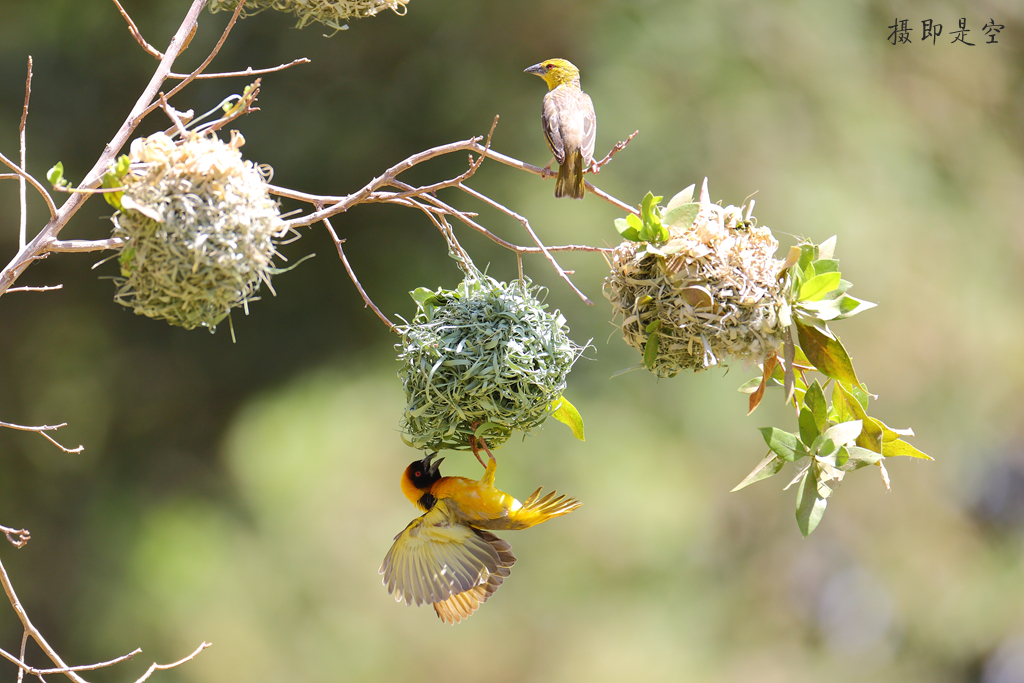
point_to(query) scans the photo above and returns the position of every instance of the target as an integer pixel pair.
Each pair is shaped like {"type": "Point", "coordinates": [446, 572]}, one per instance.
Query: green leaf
{"type": "Point", "coordinates": [827, 355]}
{"type": "Point", "coordinates": [850, 306]}
{"type": "Point", "coordinates": [844, 432]}
{"type": "Point", "coordinates": [651, 350]}
{"type": "Point", "coordinates": [901, 447]}
{"type": "Point", "coordinates": [814, 400]}
{"type": "Point", "coordinates": [825, 309]}
{"type": "Point", "coordinates": [627, 231]}
{"type": "Point", "coordinates": [807, 256]}
{"type": "Point", "coordinates": [647, 211]}
{"type": "Point", "coordinates": [681, 216]}
{"type": "Point", "coordinates": [818, 286]}
{"type": "Point", "coordinates": [566, 413]}
{"type": "Point", "coordinates": [56, 175]}
{"type": "Point", "coordinates": [684, 197]}
{"type": "Point", "coordinates": [785, 445]}
{"type": "Point", "coordinates": [823, 265]}
{"type": "Point", "coordinates": [768, 467]}
{"type": "Point", "coordinates": [858, 457]}
{"type": "Point", "coordinates": [808, 429]}
{"type": "Point", "coordinates": [810, 504]}
{"type": "Point", "coordinates": [653, 326]}
{"type": "Point", "coordinates": [750, 386]}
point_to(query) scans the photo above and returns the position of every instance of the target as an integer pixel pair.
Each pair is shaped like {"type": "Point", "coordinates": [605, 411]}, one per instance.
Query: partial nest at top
{"type": "Point", "coordinates": [487, 358]}
{"type": "Point", "coordinates": [330, 13]}
{"type": "Point", "coordinates": [706, 292]}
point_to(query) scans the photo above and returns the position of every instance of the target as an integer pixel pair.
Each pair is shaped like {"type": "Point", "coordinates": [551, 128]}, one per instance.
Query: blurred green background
{"type": "Point", "coordinates": [245, 493]}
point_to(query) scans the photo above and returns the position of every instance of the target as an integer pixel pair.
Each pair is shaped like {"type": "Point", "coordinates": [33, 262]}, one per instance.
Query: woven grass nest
{"type": "Point", "coordinates": [330, 13]}
{"type": "Point", "coordinates": [487, 358]}
{"type": "Point", "coordinates": [199, 229]}
{"type": "Point", "coordinates": [709, 291]}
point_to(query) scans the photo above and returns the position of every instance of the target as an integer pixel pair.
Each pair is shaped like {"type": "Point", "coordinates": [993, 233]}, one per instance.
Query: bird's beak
{"type": "Point", "coordinates": [432, 467]}
{"type": "Point", "coordinates": [536, 69]}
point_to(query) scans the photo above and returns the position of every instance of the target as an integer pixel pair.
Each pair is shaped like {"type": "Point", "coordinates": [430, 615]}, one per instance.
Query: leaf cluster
{"type": "Point", "coordinates": [836, 437]}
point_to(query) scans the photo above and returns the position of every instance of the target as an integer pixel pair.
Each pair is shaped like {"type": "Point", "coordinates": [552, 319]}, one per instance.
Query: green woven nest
{"type": "Point", "coordinates": [330, 13]}
{"type": "Point", "coordinates": [486, 358]}
{"type": "Point", "coordinates": [199, 230]}
{"type": "Point", "coordinates": [713, 297]}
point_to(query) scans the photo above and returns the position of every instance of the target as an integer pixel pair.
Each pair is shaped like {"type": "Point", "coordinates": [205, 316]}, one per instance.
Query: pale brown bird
{"type": "Point", "coordinates": [570, 125]}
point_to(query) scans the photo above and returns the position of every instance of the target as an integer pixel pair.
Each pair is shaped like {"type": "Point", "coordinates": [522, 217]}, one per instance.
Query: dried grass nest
{"type": "Point", "coordinates": [486, 358]}
{"type": "Point", "coordinates": [199, 230]}
{"type": "Point", "coordinates": [330, 13]}
{"type": "Point", "coordinates": [711, 293]}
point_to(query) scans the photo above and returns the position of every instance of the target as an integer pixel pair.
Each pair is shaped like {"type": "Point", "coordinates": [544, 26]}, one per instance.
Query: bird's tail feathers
{"type": "Point", "coordinates": [570, 176]}
{"type": "Point", "coordinates": [537, 509]}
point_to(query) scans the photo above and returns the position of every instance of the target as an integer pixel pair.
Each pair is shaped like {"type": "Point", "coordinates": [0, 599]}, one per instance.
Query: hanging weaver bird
{"type": "Point", "coordinates": [569, 122]}
{"type": "Point", "coordinates": [448, 557]}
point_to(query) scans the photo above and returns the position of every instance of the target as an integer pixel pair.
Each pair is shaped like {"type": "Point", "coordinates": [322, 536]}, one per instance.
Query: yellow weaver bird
{"type": "Point", "coordinates": [448, 557]}
{"type": "Point", "coordinates": [570, 124]}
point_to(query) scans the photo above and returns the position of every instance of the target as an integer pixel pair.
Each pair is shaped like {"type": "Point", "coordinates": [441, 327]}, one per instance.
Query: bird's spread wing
{"type": "Point", "coordinates": [552, 126]}
{"type": "Point", "coordinates": [461, 605]}
{"type": "Point", "coordinates": [436, 557]}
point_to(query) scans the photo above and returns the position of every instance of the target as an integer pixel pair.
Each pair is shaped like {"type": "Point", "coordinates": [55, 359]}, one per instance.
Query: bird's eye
{"type": "Point", "coordinates": [416, 474]}
{"type": "Point", "coordinates": [549, 67]}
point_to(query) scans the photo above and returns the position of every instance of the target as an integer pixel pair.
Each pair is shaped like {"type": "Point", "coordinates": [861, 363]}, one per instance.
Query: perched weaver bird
{"type": "Point", "coordinates": [569, 124]}
{"type": "Point", "coordinates": [448, 557]}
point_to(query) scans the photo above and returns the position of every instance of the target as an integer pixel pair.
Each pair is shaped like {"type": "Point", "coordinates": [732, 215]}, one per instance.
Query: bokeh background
{"type": "Point", "coordinates": [244, 493]}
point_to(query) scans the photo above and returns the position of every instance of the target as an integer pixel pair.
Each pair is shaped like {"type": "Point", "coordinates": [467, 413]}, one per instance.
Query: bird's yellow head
{"type": "Point", "coordinates": [555, 72]}
{"type": "Point", "coordinates": [417, 479]}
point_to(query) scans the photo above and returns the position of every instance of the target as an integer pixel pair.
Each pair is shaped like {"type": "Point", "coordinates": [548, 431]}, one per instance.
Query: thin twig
{"type": "Point", "coordinates": [206, 62]}
{"type": "Point", "coordinates": [35, 183]}
{"type": "Point", "coordinates": [75, 246]}
{"type": "Point", "coordinates": [248, 72]}
{"type": "Point", "coordinates": [42, 432]}
{"type": "Point", "coordinates": [526, 224]}
{"type": "Point", "coordinates": [154, 667]}
{"type": "Point", "coordinates": [23, 221]}
{"type": "Point", "coordinates": [595, 167]}
{"type": "Point", "coordinates": [537, 170]}
{"type": "Point", "coordinates": [172, 114]}
{"type": "Point", "coordinates": [352, 275]}
{"type": "Point", "coordinates": [24, 643]}
{"type": "Point", "coordinates": [47, 288]}
{"type": "Point", "coordinates": [23, 537]}
{"type": "Point", "coordinates": [137, 35]}
{"type": "Point", "coordinates": [27, 623]}
{"type": "Point", "coordinates": [64, 669]}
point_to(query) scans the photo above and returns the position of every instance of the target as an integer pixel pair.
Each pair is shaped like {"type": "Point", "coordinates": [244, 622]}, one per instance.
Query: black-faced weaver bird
{"type": "Point", "coordinates": [570, 125]}
{"type": "Point", "coordinates": [448, 557]}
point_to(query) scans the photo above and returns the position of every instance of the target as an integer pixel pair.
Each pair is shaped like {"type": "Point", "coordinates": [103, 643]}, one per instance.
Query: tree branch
{"type": "Point", "coordinates": [248, 72]}
{"type": "Point", "coordinates": [23, 222]}
{"type": "Point", "coordinates": [351, 274]}
{"type": "Point", "coordinates": [42, 432]}
{"type": "Point", "coordinates": [37, 245]}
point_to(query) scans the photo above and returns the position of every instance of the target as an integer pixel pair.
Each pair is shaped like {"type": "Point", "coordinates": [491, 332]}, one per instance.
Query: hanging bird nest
{"type": "Point", "coordinates": [708, 294]}
{"type": "Point", "coordinates": [486, 358]}
{"type": "Point", "coordinates": [330, 13]}
{"type": "Point", "coordinates": [199, 230]}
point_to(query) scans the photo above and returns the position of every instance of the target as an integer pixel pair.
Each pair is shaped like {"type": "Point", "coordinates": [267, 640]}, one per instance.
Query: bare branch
{"type": "Point", "coordinates": [248, 72]}
{"type": "Point", "coordinates": [35, 183]}
{"type": "Point", "coordinates": [595, 167]}
{"type": "Point", "coordinates": [352, 275]}
{"type": "Point", "coordinates": [42, 432]}
{"type": "Point", "coordinates": [74, 246]}
{"type": "Point", "coordinates": [137, 35]}
{"type": "Point", "coordinates": [23, 537]}
{"type": "Point", "coordinates": [37, 245]}
{"type": "Point", "coordinates": [536, 240]}
{"type": "Point", "coordinates": [154, 667]}
{"type": "Point", "coordinates": [27, 623]}
{"type": "Point", "coordinates": [23, 222]}
{"type": "Point", "coordinates": [206, 62]}
{"type": "Point", "coordinates": [24, 643]}
{"type": "Point", "coordinates": [47, 288]}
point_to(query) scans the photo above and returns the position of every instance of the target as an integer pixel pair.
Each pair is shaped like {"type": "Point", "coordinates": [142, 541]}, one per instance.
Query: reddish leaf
{"type": "Point", "coordinates": [755, 398]}
{"type": "Point", "coordinates": [828, 355]}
